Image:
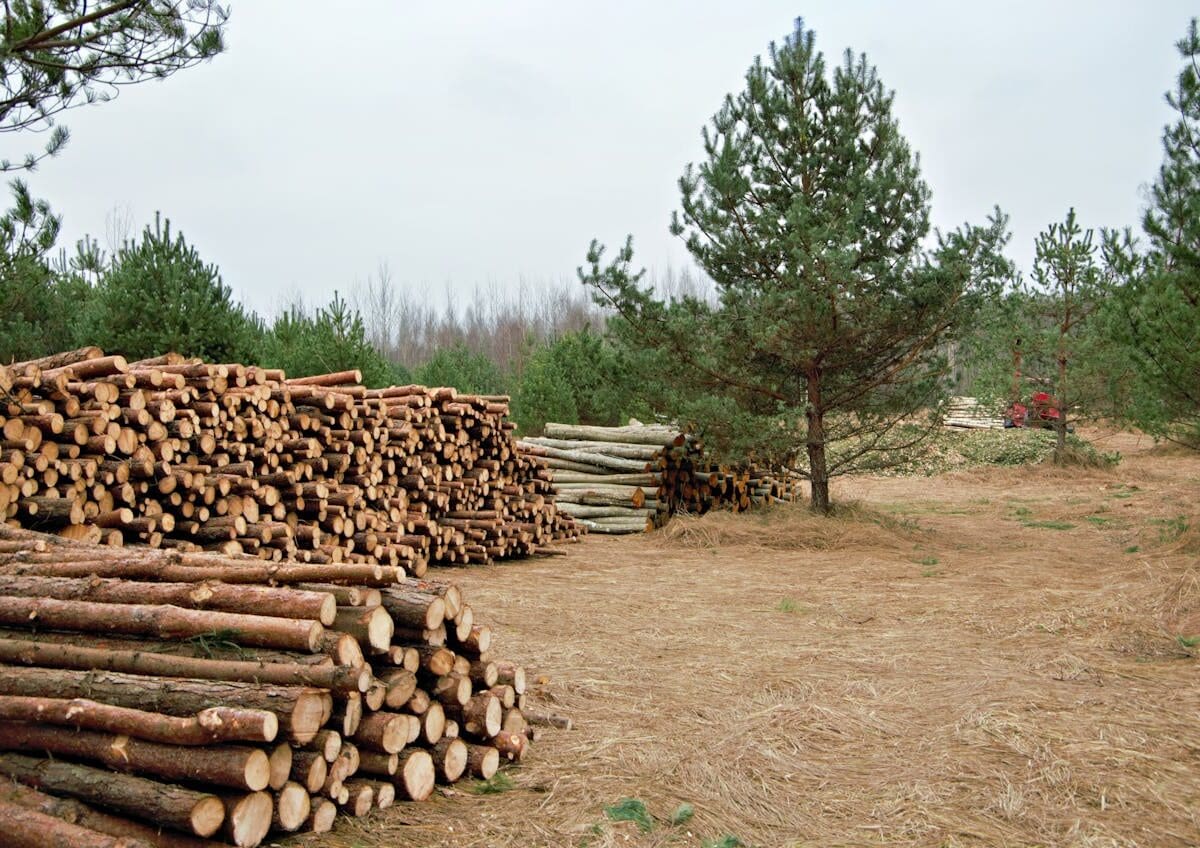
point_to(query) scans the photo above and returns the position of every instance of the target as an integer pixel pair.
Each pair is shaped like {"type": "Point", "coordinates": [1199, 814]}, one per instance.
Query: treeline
{"type": "Point", "coordinates": [156, 294]}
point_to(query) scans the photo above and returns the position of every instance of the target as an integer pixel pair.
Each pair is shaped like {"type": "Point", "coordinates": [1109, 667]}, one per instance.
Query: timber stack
{"type": "Point", "coordinates": [194, 456]}
{"type": "Point", "coordinates": [970, 414]}
{"type": "Point", "coordinates": [631, 479]}
{"type": "Point", "coordinates": [182, 699]}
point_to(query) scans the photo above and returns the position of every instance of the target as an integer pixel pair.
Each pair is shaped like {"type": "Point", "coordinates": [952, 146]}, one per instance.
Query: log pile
{"type": "Point", "coordinates": [170, 698]}
{"type": "Point", "coordinates": [970, 414]}
{"type": "Point", "coordinates": [631, 479]}
{"type": "Point", "coordinates": [198, 456]}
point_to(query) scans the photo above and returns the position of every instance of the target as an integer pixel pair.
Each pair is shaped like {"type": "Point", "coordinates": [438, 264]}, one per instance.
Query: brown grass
{"type": "Point", "coordinates": [975, 660]}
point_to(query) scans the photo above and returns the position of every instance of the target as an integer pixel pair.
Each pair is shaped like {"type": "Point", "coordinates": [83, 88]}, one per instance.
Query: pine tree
{"type": "Point", "coordinates": [159, 296]}
{"type": "Point", "coordinates": [1158, 314]}
{"type": "Point", "coordinates": [54, 56]}
{"type": "Point", "coordinates": [39, 308]}
{"type": "Point", "coordinates": [458, 366]}
{"type": "Point", "coordinates": [810, 216]}
{"type": "Point", "coordinates": [332, 339]}
{"type": "Point", "coordinates": [1067, 289]}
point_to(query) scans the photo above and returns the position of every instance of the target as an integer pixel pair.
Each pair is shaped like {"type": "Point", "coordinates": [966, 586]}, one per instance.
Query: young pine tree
{"type": "Point", "coordinates": [810, 215]}
{"type": "Point", "coordinates": [1067, 288]}
{"type": "Point", "coordinates": [331, 339]}
{"type": "Point", "coordinates": [158, 295]}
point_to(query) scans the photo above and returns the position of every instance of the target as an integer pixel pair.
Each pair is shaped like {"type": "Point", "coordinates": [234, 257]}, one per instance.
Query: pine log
{"type": "Point", "coordinates": [511, 674]}
{"type": "Point", "coordinates": [70, 810]}
{"type": "Point", "coordinates": [248, 818]}
{"type": "Point", "coordinates": [377, 763]}
{"type": "Point", "coordinates": [309, 769]}
{"type": "Point", "coordinates": [164, 622]}
{"type": "Point", "coordinates": [323, 814]}
{"type": "Point", "coordinates": [370, 625]}
{"type": "Point", "coordinates": [482, 761]}
{"type": "Point", "coordinates": [361, 798]}
{"type": "Point", "coordinates": [283, 603]}
{"type": "Point", "coordinates": [215, 724]}
{"type": "Point", "coordinates": [301, 711]}
{"type": "Point", "coordinates": [280, 760]}
{"type": "Point", "coordinates": [387, 732]}
{"type": "Point", "coordinates": [642, 434]}
{"type": "Point", "coordinates": [414, 610]}
{"type": "Point", "coordinates": [399, 687]}
{"type": "Point", "coordinates": [450, 759]}
{"type": "Point", "coordinates": [26, 828]}
{"type": "Point", "coordinates": [292, 807]}
{"type": "Point", "coordinates": [481, 716]}
{"type": "Point", "coordinates": [161, 803]}
{"type": "Point", "coordinates": [338, 679]}
{"type": "Point", "coordinates": [415, 775]}
{"type": "Point", "coordinates": [510, 744]}
{"type": "Point", "coordinates": [234, 766]}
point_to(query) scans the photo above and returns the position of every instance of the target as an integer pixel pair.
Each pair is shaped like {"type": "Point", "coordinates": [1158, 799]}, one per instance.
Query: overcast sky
{"type": "Point", "coordinates": [479, 143]}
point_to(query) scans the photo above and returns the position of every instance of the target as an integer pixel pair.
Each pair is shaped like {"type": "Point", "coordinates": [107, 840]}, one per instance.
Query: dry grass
{"type": "Point", "coordinates": [791, 527]}
{"type": "Point", "coordinates": [982, 660]}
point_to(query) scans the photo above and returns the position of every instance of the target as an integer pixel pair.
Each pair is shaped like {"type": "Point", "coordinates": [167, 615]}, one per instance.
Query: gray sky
{"type": "Point", "coordinates": [479, 143]}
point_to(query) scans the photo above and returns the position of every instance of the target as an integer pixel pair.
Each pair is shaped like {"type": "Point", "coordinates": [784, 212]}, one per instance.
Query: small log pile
{"type": "Point", "coordinates": [631, 479]}
{"type": "Point", "coordinates": [970, 414]}
{"type": "Point", "coordinates": [170, 698]}
{"type": "Point", "coordinates": [234, 459]}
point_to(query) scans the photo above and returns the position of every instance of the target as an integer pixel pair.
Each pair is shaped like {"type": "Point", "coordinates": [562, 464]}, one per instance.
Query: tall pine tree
{"type": "Point", "coordinates": [810, 215]}
{"type": "Point", "coordinates": [1159, 308]}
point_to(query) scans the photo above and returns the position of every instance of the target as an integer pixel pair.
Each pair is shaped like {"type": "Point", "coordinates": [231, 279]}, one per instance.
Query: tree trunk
{"type": "Point", "coordinates": [183, 809]}
{"type": "Point", "coordinates": [817, 469]}
{"type": "Point", "coordinates": [1060, 423]}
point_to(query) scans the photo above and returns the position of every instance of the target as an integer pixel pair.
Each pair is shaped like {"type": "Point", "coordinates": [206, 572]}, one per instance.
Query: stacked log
{"type": "Point", "coordinates": [971, 414]}
{"type": "Point", "coordinates": [631, 479]}
{"type": "Point", "coordinates": [169, 698]}
{"type": "Point", "coordinates": [197, 456]}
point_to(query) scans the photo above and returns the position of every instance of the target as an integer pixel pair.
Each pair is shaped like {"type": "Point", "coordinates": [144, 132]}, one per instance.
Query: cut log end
{"type": "Point", "coordinates": [416, 776]}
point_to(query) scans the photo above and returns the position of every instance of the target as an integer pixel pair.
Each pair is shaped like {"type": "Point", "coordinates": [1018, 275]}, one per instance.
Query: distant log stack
{"type": "Point", "coordinates": [631, 479]}
{"type": "Point", "coordinates": [227, 458]}
{"type": "Point", "coordinates": [971, 414]}
{"type": "Point", "coordinates": [170, 698]}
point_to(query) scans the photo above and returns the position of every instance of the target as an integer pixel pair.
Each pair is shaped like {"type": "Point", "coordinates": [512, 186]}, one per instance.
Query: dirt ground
{"type": "Point", "coordinates": [993, 657]}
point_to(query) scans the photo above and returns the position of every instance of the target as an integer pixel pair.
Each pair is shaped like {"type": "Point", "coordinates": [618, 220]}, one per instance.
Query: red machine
{"type": "Point", "coordinates": [1042, 412]}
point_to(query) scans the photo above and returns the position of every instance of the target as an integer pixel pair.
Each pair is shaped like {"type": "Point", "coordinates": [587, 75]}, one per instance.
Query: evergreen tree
{"type": "Point", "coordinates": [809, 214]}
{"type": "Point", "coordinates": [458, 366]}
{"type": "Point", "coordinates": [332, 339]}
{"type": "Point", "coordinates": [543, 394]}
{"type": "Point", "coordinates": [1067, 289]}
{"type": "Point", "coordinates": [1158, 310]}
{"type": "Point", "coordinates": [38, 308]}
{"type": "Point", "coordinates": [54, 56]}
{"type": "Point", "coordinates": [159, 296]}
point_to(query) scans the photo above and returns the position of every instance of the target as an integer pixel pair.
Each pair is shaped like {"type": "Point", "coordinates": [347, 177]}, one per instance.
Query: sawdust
{"type": "Point", "coordinates": [1004, 660]}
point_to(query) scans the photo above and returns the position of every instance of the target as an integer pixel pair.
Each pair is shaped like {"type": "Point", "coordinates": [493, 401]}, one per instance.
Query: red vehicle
{"type": "Point", "coordinates": [1042, 412]}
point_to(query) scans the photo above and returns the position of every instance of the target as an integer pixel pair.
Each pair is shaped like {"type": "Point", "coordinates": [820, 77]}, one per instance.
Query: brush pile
{"type": "Point", "coordinates": [234, 459]}
{"type": "Point", "coordinates": [222, 697]}
{"type": "Point", "coordinates": [632, 479]}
